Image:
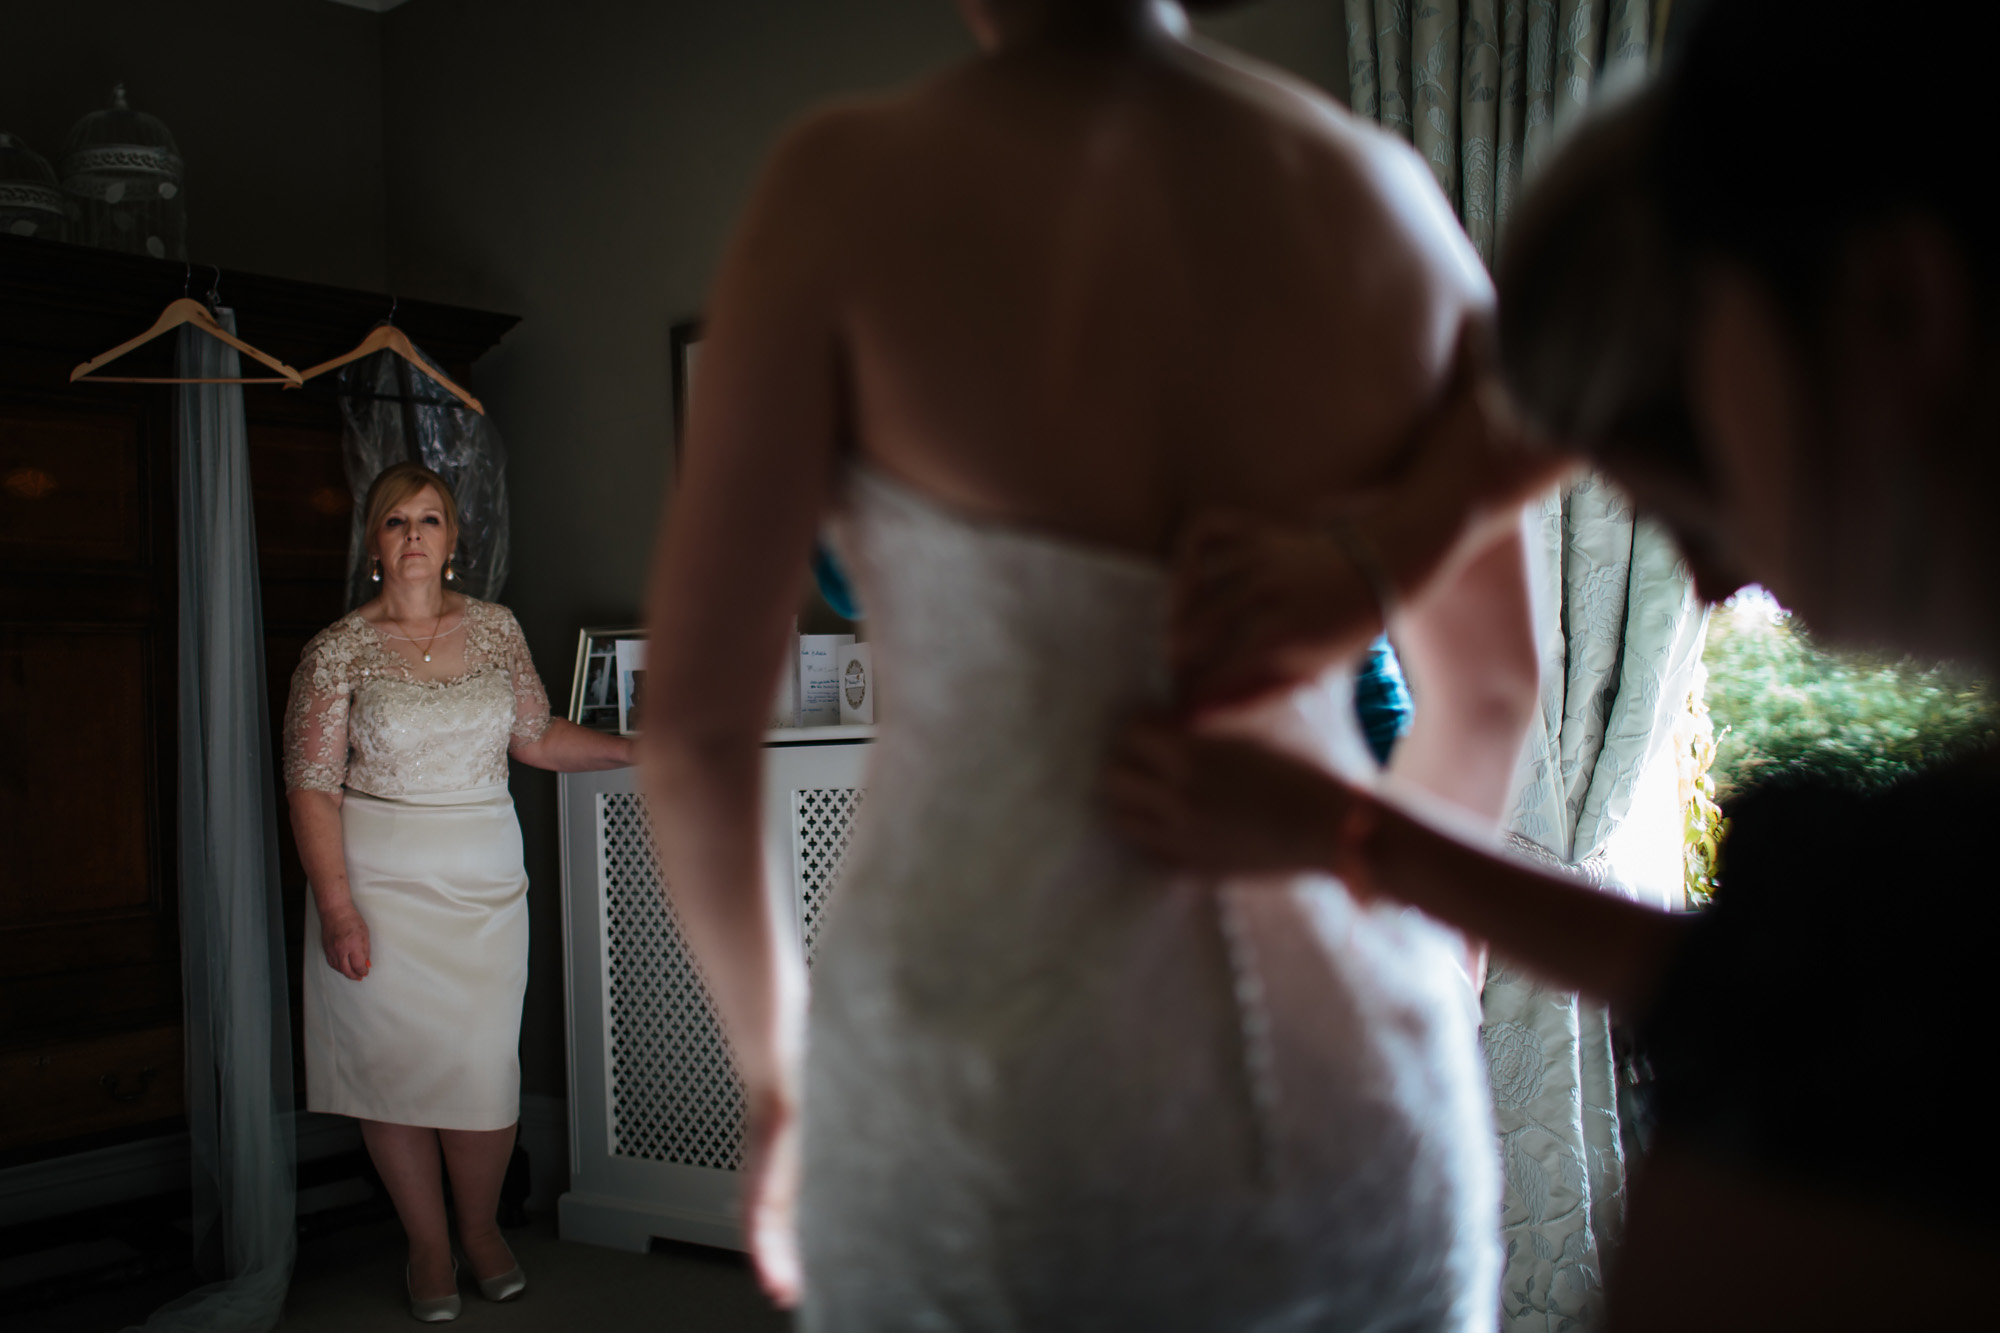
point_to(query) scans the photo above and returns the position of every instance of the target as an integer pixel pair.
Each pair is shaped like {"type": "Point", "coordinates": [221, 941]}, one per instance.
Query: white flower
{"type": "Point", "coordinates": [1518, 1064]}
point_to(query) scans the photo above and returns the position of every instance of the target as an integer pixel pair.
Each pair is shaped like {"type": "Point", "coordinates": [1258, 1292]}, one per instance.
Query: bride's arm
{"type": "Point", "coordinates": [728, 569]}
{"type": "Point", "coordinates": [757, 464]}
{"type": "Point", "coordinates": [1467, 645]}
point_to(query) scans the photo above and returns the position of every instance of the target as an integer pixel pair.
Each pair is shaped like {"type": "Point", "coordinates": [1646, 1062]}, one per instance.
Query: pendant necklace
{"type": "Point", "coordinates": [411, 638]}
{"type": "Point", "coordinates": [434, 636]}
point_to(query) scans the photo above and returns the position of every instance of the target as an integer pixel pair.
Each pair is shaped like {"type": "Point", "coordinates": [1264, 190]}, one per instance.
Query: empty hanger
{"type": "Point", "coordinates": [386, 337]}
{"type": "Point", "coordinates": [185, 310]}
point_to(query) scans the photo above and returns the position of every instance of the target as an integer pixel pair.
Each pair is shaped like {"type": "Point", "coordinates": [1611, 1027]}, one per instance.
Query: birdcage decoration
{"type": "Point", "coordinates": [123, 170]}
{"type": "Point", "coordinates": [31, 203]}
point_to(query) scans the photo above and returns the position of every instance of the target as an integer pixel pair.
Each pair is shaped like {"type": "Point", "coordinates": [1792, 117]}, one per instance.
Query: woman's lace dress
{"type": "Point", "coordinates": [433, 850]}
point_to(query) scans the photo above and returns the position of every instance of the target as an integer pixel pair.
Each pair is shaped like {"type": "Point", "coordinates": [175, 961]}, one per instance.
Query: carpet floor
{"type": "Point", "coordinates": [351, 1281]}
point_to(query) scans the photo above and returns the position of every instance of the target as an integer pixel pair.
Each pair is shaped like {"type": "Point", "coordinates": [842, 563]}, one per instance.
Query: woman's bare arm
{"type": "Point", "coordinates": [1467, 645]}
{"type": "Point", "coordinates": [1567, 933]}
{"type": "Point", "coordinates": [1234, 807]}
{"type": "Point", "coordinates": [730, 564]}
{"type": "Point", "coordinates": [728, 570]}
{"type": "Point", "coordinates": [567, 748]}
{"type": "Point", "coordinates": [343, 935]}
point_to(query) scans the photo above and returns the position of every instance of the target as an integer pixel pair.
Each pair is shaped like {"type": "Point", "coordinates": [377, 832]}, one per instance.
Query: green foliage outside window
{"type": "Point", "coordinates": [1782, 705]}
{"type": "Point", "coordinates": [1793, 707]}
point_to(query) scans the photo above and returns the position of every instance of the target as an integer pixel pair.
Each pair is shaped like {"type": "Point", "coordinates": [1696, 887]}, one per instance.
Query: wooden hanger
{"type": "Point", "coordinates": [387, 337]}
{"type": "Point", "coordinates": [185, 310]}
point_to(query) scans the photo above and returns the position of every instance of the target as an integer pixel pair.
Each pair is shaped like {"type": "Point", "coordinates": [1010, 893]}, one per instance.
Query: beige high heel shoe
{"type": "Point", "coordinates": [505, 1287]}
{"type": "Point", "coordinates": [440, 1310]}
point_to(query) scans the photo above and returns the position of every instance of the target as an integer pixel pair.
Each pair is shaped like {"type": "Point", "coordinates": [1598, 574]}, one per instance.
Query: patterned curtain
{"type": "Point", "coordinates": [1482, 89]}
{"type": "Point", "coordinates": [1621, 633]}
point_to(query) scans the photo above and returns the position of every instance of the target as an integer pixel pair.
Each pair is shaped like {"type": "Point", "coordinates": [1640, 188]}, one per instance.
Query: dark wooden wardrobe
{"type": "Point", "coordinates": [90, 991]}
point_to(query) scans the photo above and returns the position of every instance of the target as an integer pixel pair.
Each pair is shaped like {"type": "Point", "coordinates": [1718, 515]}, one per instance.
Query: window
{"type": "Point", "coordinates": [1782, 705]}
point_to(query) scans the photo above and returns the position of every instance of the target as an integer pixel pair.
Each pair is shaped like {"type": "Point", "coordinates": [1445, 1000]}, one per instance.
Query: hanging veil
{"type": "Point", "coordinates": [393, 413]}
{"type": "Point", "coordinates": [234, 991]}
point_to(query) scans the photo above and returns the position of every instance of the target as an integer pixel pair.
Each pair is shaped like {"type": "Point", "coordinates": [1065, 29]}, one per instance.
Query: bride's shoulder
{"type": "Point", "coordinates": [816, 185]}
{"type": "Point", "coordinates": [1324, 153]}
{"type": "Point", "coordinates": [822, 146]}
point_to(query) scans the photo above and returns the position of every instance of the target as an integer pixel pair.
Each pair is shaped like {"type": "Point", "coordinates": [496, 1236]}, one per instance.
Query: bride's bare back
{"type": "Point", "coordinates": [1093, 290]}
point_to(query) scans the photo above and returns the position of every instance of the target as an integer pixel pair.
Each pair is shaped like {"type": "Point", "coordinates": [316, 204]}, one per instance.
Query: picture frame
{"type": "Point", "coordinates": [595, 697]}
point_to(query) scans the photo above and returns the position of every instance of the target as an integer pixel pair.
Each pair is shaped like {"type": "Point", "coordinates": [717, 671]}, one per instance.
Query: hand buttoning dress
{"type": "Point", "coordinates": [1049, 1086]}
{"type": "Point", "coordinates": [431, 1035]}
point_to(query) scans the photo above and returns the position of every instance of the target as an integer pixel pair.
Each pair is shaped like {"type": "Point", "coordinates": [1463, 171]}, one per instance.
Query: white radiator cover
{"type": "Point", "coordinates": [656, 1111]}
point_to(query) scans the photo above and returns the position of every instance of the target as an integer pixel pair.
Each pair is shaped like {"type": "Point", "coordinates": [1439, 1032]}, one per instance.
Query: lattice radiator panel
{"type": "Point", "coordinates": [822, 829]}
{"type": "Point", "coordinates": [675, 1096]}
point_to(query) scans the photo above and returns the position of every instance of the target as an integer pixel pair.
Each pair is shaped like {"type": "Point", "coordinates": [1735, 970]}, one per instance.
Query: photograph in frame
{"type": "Point", "coordinates": [630, 666]}
{"type": "Point", "coordinates": [594, 691]}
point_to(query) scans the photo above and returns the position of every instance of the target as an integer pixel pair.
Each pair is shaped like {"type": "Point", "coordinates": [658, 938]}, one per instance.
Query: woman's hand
{"type": "Point", "coordinates": [770, 1196]}
{"type": "Point", "coordinates": [343, 937]}
{"type": "Point", "coordinates": [1258, 605]}
{"type": "Point", "coordinates": [1230, 806]}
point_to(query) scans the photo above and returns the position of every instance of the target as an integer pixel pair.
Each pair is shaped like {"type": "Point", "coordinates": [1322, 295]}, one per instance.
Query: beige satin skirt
{"type": "Point", "coordinates": [432, 1035]}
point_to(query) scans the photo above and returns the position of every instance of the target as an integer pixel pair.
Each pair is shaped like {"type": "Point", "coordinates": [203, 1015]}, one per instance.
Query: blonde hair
{"type": "Point", "coordinates": [397, 483]}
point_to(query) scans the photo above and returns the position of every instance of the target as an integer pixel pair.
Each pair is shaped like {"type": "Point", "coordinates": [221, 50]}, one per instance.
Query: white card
{"type": "Point", "coordinates": [819, 678]}
{"type": "Point", "coordinates": [857, 686]}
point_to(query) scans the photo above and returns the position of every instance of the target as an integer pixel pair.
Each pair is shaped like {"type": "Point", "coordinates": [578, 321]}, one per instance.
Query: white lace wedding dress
{"type": "Point", "coordinates": [1052, 1087]}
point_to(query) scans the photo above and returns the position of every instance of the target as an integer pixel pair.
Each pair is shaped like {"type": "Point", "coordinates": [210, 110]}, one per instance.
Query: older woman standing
{"type": "Point", "coordinates": [400, 723]}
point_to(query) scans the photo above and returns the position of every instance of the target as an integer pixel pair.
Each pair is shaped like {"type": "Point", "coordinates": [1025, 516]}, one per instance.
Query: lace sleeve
{"type": "Point", "coordinates": [316, 716]}
{"type": "Point", "coordinates": [531, 701]}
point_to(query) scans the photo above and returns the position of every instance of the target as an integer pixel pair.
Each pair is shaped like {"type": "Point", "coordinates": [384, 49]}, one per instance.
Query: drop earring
{"type": "Point", "coordinates": [375, 572]}
{"type": "Point", "coordinates": [449, 573]}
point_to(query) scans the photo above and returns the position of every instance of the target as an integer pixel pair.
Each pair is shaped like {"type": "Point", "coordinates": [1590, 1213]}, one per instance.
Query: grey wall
{"type": "Point", "coordinates": [1307, 37]}
{"type": "Point", "coordinates": [276, 106]}
{"type": "Point", "coordinates": [581, 165]}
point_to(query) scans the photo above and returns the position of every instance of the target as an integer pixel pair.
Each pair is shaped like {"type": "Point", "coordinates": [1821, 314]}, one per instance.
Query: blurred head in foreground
{"type": "Point", "coordinates": [1760, 295]}
{"type": "Point", "coordinates": [1003, 23]}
